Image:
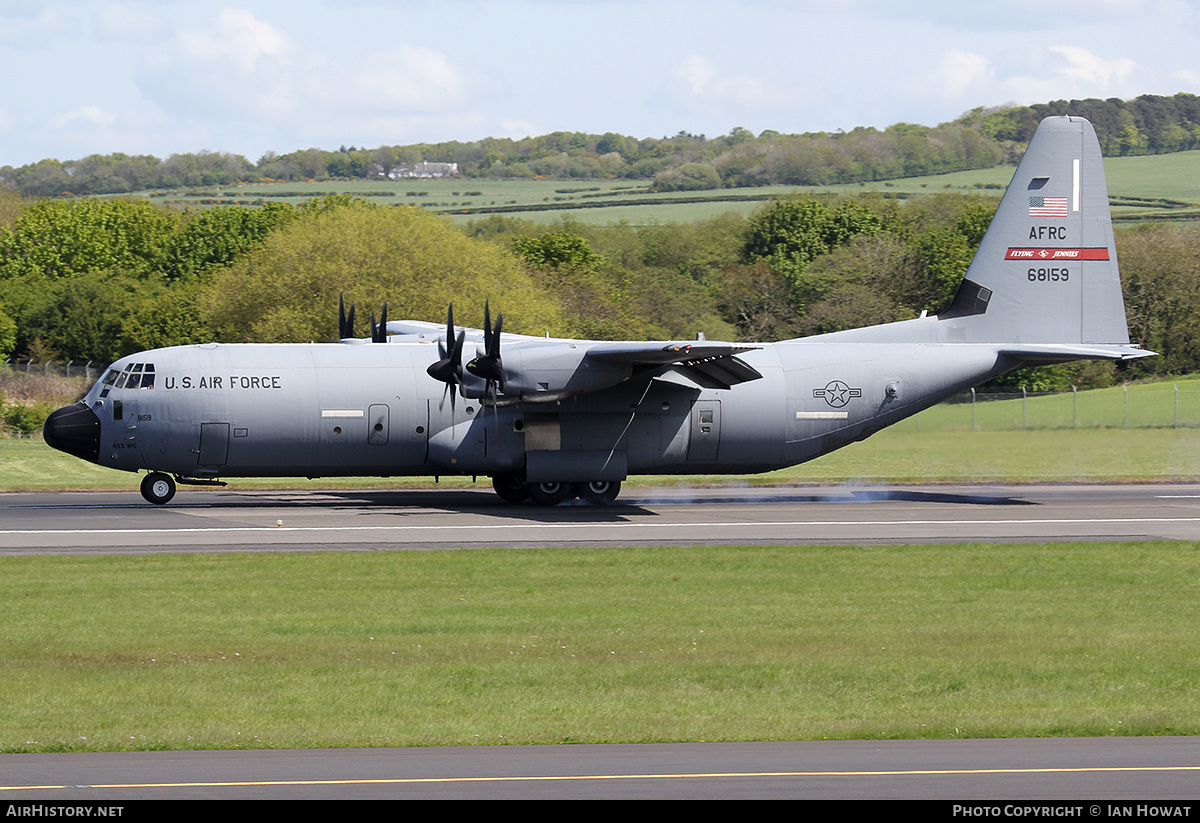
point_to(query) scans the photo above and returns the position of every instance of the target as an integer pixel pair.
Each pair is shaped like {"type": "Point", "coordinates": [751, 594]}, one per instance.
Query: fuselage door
{"type": "Point", "coordinates": [214, 444]}
{"type": "Point", "coordinates": [706, 430]}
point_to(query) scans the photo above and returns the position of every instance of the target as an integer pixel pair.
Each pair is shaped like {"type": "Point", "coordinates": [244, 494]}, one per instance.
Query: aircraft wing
{"type": "Point", "coordinates": [415, 327]}
{"type": "Point", "coordinates": [710, 365]}
{"type": "Point", "coordinates": [660, 353]}
{"type": "Point", "coordinates": [543, 369]}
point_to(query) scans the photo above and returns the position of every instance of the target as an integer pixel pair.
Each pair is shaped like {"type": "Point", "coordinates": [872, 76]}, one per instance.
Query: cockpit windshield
{"type": "Point", "coordinates": [133, 376]}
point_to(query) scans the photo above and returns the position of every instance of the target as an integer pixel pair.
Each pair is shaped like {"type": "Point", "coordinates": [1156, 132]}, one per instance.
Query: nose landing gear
{"type": "Point", "coordinates": [158, 488]}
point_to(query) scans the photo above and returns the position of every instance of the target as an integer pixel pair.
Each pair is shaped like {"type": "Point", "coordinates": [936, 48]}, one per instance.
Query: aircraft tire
{"type": "Point", "coordinates": [550, 494]}
{"type": "Point", "coordinates": [600, 492]}
{"type": "Point", "coordinates": [158, 488]}
{"type": "Point", "coordinates": [510, 487]}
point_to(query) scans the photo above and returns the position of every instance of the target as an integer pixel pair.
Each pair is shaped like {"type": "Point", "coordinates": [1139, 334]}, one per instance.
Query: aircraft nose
{"type": "Point", "coordinates": [75, 430]}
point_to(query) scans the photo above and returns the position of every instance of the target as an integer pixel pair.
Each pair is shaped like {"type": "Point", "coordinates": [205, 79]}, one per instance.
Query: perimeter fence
{"type": "Point", "coordinates": [1133, 406]}
{"type": "Point", "coordinates": [53, 368]}
{"type": "Point", "coordinates": [30, 390]}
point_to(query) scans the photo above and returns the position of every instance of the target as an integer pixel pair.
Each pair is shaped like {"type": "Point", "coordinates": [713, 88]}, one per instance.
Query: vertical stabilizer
{"type": "Point", "coordinates": [1046, 271]}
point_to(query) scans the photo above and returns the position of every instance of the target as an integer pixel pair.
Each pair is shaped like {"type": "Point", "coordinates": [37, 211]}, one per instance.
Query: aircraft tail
{"type": "Point", "coordinates": [1046, 271]}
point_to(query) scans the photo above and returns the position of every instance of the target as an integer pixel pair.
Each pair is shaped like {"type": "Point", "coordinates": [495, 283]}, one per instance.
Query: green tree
{"type": "Point", "coordinates": [688, 177]}
{"type": "Point", "coordinates": [557, 249]}
{"type": "Point", "coordinates": [62, 238]}
{"type": "Point", "coordinates": [215, 237]}
{"type": "Point", "coordinates": [287, 289]}
{"type": "Point", "coordinates": [1160, 274]}
{"type": "Point", "coordinates": [792, 233]}
{"type": "Point", "coordinates": [945, 255]}
{"type": "Point", "coordinates": [8, 334]}
{"type": "Point", "coordinates": [84, 317]}
{"type": "Point", "coordinates": [757, 301]}
{"type": "Point", "coordinates": [789, 234]}
{"type": "Point", "coordinates": [170, 318]}
{"type": "Point", "coordinates": [849, 219]}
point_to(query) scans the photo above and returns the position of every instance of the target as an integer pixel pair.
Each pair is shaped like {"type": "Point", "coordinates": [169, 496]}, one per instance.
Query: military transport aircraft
{"type": "Point", "coordinates": [550, 419]}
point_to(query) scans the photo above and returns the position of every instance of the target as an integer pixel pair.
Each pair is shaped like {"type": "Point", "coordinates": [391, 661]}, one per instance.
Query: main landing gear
{"type": "Point", "coordinates": [514, 489]}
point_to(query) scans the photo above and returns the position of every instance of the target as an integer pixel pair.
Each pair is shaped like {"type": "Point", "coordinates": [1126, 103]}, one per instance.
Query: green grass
{"type": "Point", "coordinates": [902, 454]}
{"type": "Point", "coordinates": [564, 645]}
{"type": "Point", "coordinates": [1171, 403]}
{"type": "Point", "coordinates": [893, 456]}
{"type": "Point", "coordinates": [1174, 177]}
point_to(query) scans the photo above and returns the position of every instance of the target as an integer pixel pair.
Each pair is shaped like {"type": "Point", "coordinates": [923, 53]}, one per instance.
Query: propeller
{"type": "Point", "coordinates": [345, 319]}
{"type": "Point", "coordinates": [379, 333]}
{"type": "Point", "coordinates": [488, 365]}
{"type": "Point", "coordinates": [449, 369]}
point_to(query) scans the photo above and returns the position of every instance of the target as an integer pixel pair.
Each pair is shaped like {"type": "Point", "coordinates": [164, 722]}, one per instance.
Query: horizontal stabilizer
{"type": "Point", "coordinates": [1046, 353]}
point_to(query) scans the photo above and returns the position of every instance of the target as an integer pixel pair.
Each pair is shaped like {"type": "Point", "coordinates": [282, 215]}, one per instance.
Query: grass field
{"type": "Point", "coordinates": [1172, 403]}
{"type": "Point", "coordinates": [571, 646]}
{"type": "Point", "coordinates": [1170, 177]}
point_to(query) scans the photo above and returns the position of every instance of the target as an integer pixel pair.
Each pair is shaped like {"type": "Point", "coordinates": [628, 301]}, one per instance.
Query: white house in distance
{"type": "Point", "coordinates": [423, 169]}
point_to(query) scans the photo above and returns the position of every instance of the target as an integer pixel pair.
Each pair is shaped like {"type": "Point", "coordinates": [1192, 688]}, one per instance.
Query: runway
{"type": "Point", "coordinates": [322, 520]}
{"type": "Point", "coordinates": [211, 521]}
{"type": "Point", "coordinates": [997, 772]}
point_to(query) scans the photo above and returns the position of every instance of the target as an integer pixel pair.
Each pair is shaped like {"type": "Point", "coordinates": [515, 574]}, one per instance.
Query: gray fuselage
{"type": "Point", "coordinates": [322, 410]}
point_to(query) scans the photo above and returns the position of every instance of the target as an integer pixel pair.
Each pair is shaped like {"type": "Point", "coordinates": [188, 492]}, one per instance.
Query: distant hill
{"type": "Point", "coordinates": [980, 139]}
{"type": "Point", "coordinates": [1142, 188]}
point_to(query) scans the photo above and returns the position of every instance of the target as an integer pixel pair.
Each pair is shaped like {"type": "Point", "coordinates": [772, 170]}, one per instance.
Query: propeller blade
{"type": "Point", "coordinates": [345, 319]}
{"type": "Point", "coordinates": [489, 365]}
{"type": "Point", "coordinates": [379, 333]}
{"type": "Point", "coordinates": [449, 369]}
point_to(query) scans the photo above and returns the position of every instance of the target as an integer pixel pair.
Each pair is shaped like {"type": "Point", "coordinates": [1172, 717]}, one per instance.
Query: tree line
{"type": "Point", "coordinates": [90, 279]}
{"type": "Point", "coordinates": [981, 138]}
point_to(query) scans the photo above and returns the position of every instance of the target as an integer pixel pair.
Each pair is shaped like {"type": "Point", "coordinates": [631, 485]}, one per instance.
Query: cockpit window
{"type": "Point", "coordinates": [134, 376]}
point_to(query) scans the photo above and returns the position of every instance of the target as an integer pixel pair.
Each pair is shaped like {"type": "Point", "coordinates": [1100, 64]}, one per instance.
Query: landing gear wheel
{"type": "Point", "coordinates": [510, 487]}
{"type": "Point", "coordinates": [599, 492]}
{"type": "Point", "coordinates": [550, 494]}
{"type": "Point", "coordinates": [158, 488]}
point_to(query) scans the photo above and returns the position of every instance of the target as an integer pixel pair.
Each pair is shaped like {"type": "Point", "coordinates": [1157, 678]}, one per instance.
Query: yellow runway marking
{"type": "Point", "coordinates": [532, 778]}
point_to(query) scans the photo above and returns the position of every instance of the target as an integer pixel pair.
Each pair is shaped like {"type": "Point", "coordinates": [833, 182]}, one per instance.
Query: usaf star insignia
{"type": "Point", "coordinates": [837, 393]}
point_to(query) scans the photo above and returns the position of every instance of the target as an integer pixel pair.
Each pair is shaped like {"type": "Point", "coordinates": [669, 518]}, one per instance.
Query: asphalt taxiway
{"type": "Point", "coordinates": [323, 520]}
